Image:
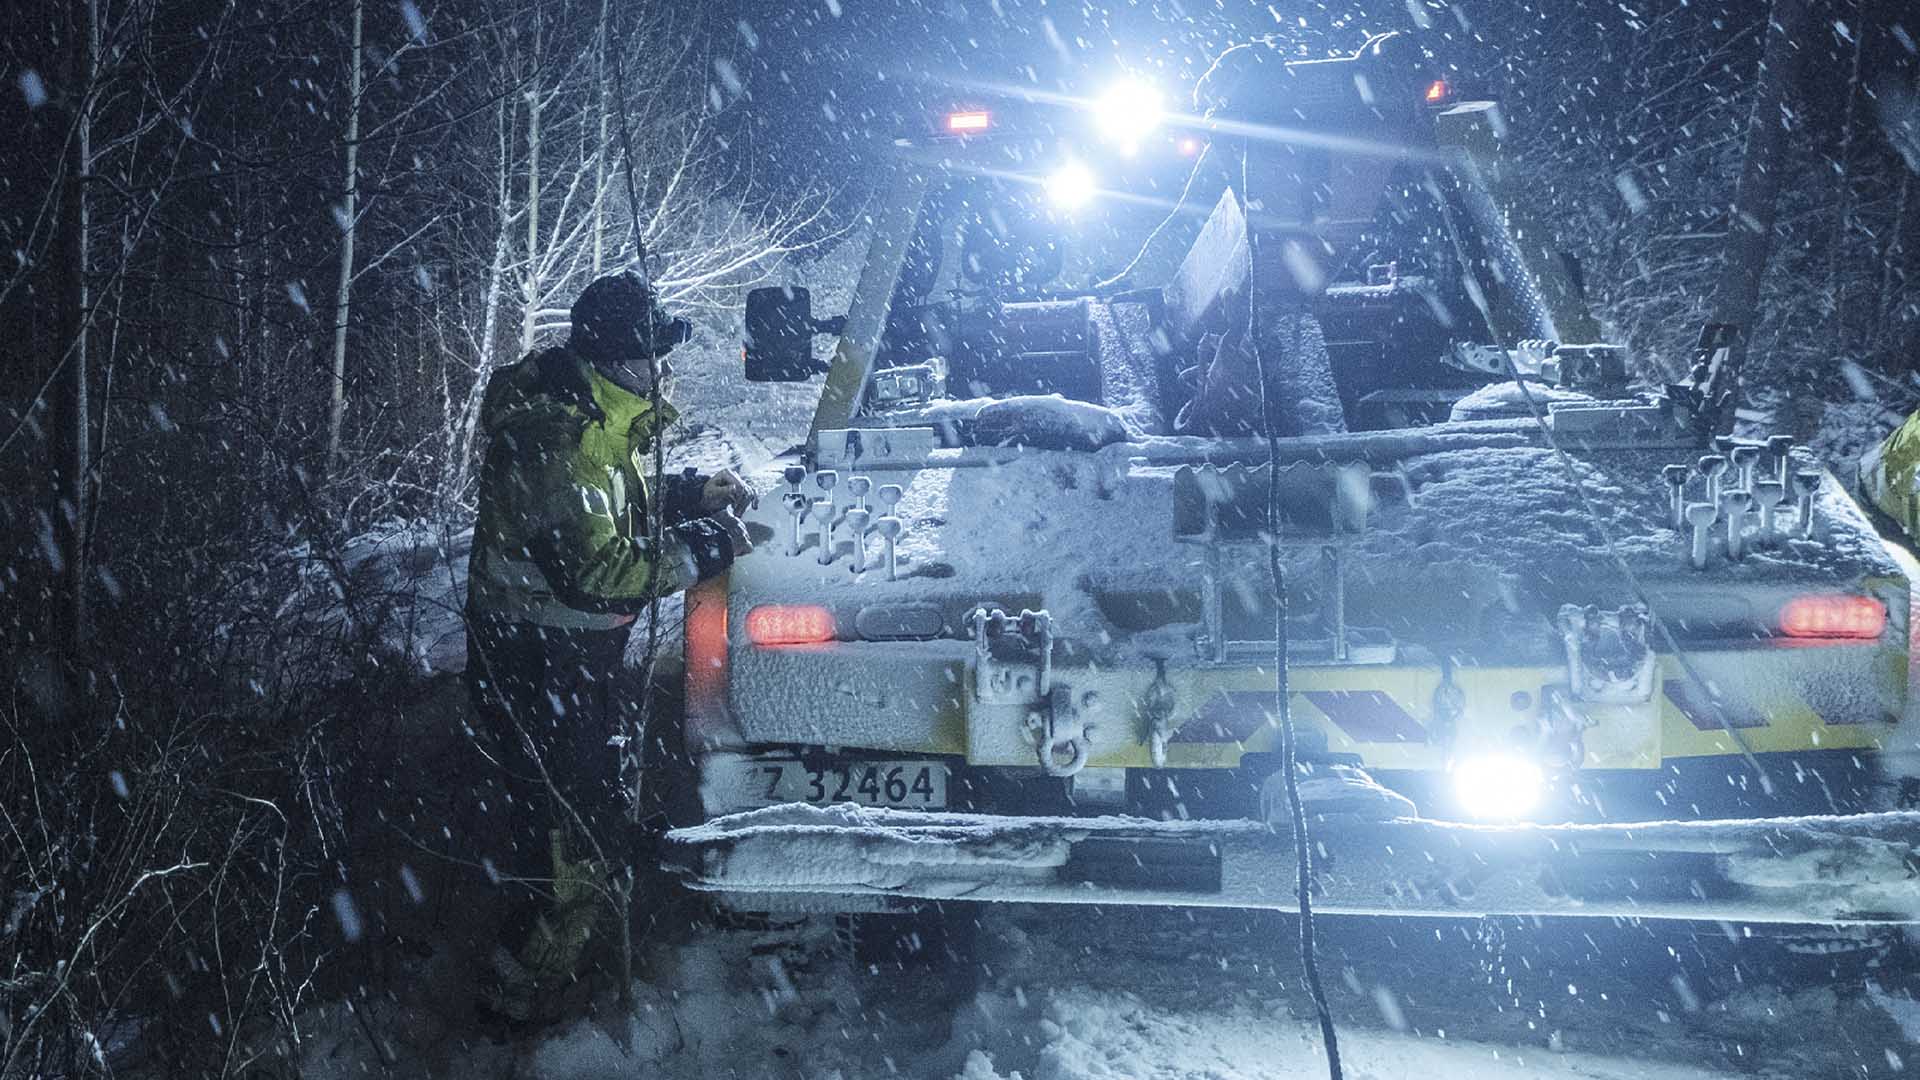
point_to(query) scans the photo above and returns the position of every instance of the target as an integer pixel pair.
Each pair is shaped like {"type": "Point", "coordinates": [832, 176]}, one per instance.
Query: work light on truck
{"type": "Point", "coordinates": [1835, 616]}
{"type": "Point", "coordinates": [1127, 113]}
{"type": "Point", "coordinates": [789, 624]}
{"type": "Point", "coordinates": [1498, 786]}
{"type": "Point", "coordinates": [968, 123]}
{"type": "Point", "coordinates": [1071, 186]}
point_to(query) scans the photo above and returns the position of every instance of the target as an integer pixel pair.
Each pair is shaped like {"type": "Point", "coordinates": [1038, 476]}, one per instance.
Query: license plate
{"type": "Point", "coordinates": [911, 785]}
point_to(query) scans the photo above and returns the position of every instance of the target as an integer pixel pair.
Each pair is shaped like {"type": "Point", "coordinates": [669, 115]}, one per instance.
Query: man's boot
{"type": "Point", "coordinates": [561, 933]}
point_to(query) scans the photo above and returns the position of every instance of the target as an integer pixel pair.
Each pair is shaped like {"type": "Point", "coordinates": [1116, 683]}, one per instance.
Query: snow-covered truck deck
{"type": "Point", "coordinates": [1474, 541]}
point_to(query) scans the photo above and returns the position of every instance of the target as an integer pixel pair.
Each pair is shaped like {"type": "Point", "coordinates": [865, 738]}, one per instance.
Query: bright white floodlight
{"type": "Point", "coordinates": [1498, 787]}
{"type": "Point", "coordinates": [1071, 186]}
{"type": "Point", "coordinates": [1128, 112]}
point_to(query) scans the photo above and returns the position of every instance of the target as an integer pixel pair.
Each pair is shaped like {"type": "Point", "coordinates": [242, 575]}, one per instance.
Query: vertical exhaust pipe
{"type": "Point", "coordinates": [1676, 478]}
{"type": "Point", "coordinates": [1702, 516]}
{"type": "Point", "coordinates": [1769, 494]}
{"type": "Point", "coordinates": [1806, 484]}
{"type": "Point", "coordinates": [1746, 458]}
{"type": "Point", "coordinates": [827, 479]}
{"type": "Point", "coordinates": [1780, 448]}
{"type": "Point", "coordinates": [1711, 467]}
{"type": "Point", "coordinates": [1733, 507]}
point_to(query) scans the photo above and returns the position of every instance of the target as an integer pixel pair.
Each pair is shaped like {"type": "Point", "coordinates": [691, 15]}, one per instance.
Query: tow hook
{"type": "Point", "coordinates": [1013, 671]}
{"type": "Point", "coordinates": [1063, 739]}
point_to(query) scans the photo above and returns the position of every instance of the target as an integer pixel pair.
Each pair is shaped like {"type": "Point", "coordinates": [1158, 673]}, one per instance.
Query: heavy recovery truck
{"type": "Point", "coordinates": [1551, 646]}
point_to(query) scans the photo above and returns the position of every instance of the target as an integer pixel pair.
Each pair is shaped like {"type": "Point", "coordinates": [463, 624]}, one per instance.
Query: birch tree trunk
{"type": "Point", "coordinates": [73, 411]}
{"type": "Point", "coordinates": [599, 148]}
{"type": "Point", "coordinates": [337, 410]}
{"type": "Point", "coordinates": [1751, 218]}
{"type": "Point", "coordinates": [469, 423]}
{"type": "Point", "coordinates": [532, 290]}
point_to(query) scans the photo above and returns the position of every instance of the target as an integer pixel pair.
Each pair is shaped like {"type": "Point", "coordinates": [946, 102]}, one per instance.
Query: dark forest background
{"type": "Point", "coordinates": [260, 258]}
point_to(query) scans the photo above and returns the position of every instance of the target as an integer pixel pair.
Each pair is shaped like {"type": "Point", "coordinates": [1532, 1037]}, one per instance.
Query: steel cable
{"type": "Point", "coordinates": [1289, 745]}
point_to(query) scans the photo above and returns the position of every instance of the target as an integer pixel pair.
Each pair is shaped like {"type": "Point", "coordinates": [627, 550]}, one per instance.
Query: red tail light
{"type": "Point", "coordinates": [789, 624]}
{"type": "Point", "coordinates": [1853, 617]}
{"type": "Point", "coordinates": [968, 123]}
{"type": "Point", "coordinates": [1437, 92]}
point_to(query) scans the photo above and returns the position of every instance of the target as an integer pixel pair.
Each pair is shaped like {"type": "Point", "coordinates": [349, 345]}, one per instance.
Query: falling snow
{"type": "Point", "coordinates": [262, 817]}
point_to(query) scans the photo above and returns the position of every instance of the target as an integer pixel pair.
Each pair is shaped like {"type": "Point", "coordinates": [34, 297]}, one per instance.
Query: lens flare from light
{"type": "Point", "coordinates": [1128, 112]}
{"type": "Point", "coordinates": [1498, 786]}
{"type": "Point", "coordinates": [1071, 186]}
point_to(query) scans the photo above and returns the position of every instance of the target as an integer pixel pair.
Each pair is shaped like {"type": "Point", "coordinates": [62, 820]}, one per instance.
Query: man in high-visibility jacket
{"type": "Point", "coordinates": [1890, 476]}
{"type": "Point", "coordinates": [568, 550]}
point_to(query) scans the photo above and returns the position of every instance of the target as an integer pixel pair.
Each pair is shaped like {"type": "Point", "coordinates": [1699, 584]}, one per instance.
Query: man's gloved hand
{"type": "Point", "coordinates": [736, 529]}
{"type": "Point", "coordinates": [725, 490]}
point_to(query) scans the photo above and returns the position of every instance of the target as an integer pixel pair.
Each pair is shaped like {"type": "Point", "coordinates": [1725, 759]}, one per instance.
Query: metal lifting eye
{"type": "Point", "coordinates": [1064, 755]}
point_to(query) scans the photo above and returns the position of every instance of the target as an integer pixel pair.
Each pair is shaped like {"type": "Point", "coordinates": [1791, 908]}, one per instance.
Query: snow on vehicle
{"type": "Point", "coordinates": [1012, 635]}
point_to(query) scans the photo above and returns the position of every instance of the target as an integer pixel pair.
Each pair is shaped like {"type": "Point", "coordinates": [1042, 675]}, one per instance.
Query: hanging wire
{"type": "Point", "coordinates": [1179, 204]}
{"type": "Point", "coordinates": [635, 756]}
{"type": "Point", "coordinates": [1289, 743]}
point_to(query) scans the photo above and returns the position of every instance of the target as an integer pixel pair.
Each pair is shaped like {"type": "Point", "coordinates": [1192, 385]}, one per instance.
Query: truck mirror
{"type": "Point", "coordinates": [780, 329]}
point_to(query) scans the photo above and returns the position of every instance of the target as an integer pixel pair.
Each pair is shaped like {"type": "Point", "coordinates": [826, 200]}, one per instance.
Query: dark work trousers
{"type": "Point", "coordinates": [552, 688]}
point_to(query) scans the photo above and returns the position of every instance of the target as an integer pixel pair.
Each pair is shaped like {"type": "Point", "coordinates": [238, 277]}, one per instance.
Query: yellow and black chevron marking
{"type": "Point", "coordinates": [1781, 700]}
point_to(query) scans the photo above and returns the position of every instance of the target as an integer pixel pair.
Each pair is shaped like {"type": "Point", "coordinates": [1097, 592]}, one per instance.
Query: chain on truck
{"type": "Point", "coordinates": [1556, 644]}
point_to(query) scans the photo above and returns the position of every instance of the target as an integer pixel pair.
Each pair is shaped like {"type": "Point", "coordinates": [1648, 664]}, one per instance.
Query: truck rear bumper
{"type": "Point", "coordinates": [1855, 869]}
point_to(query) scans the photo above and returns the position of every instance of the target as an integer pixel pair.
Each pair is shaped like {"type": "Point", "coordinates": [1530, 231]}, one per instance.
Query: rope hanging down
{"type": "Point", "coordinates": [1289, 745]}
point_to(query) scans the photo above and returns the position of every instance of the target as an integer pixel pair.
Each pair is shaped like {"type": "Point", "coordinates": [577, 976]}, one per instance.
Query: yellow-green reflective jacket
{"type": "Point", "coordinates": [562, 535]}
{"type": "Point", "coordinates": [1888, 473]}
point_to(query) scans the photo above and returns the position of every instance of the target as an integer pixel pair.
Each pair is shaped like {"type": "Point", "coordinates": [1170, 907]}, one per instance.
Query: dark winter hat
{"type": "Point", "coordinates": [617, 317]}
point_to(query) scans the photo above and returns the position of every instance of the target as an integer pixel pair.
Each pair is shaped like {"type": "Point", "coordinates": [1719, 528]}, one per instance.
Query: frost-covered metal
{"type": "Point", "coordinates": [1850, 870]}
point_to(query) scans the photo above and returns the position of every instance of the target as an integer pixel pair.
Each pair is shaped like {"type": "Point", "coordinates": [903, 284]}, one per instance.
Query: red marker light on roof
{"type": "Point", "coordinates": [1437, 92]}
{"type": "Point", "coordinates": [1859, 617]}
{"type": "Point", "coordinates": [789, 624]}
{"type": "Point", "coordinates": [968, 123]}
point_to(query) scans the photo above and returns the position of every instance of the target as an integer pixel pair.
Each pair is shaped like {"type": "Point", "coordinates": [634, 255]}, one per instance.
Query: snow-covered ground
{"type": "Point", "coordinates": [1167, 995]}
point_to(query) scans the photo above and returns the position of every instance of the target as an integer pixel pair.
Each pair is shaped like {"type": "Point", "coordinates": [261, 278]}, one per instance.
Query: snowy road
{"type": "Point", "coordinates": [1215, 996]}
{"type": "Point", "coordinates": [1171, 995]}
{"type": "Point", "coordinates": [1157, 994]}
